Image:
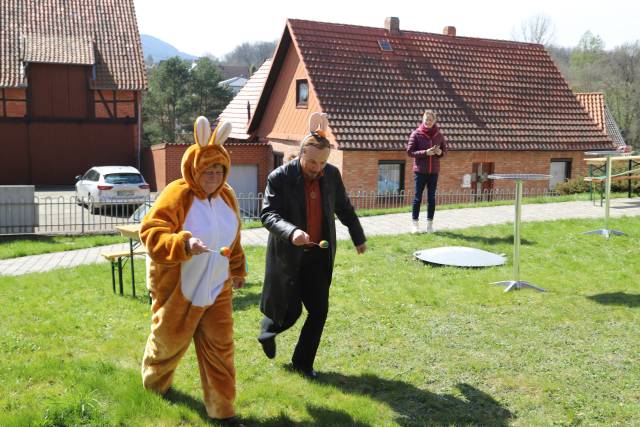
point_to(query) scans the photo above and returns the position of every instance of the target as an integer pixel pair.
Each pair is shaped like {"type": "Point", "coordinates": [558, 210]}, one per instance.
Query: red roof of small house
{"type": "Point", "coordinates": [488, 94]}
{"type": "Point", "coordinates": [103, 33]}
{"type": "Point", "coordinates": [593, 102]}
{"type": "Point", "coordinates": [597, 108]}
{"type": "Point", "coordinates": [241, 108]}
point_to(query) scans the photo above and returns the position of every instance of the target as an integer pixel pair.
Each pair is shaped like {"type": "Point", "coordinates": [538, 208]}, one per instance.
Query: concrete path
{"type": "Point", "coordinates": [375, 225]}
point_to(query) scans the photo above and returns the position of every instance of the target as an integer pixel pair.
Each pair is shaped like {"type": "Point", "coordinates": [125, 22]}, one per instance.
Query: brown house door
{"type": "Point", "coordinates": [481, 184]}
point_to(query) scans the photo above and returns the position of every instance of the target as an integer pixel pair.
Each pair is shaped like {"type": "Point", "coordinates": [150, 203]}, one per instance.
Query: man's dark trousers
{"type": "Point", "coordinates": [312, 290]}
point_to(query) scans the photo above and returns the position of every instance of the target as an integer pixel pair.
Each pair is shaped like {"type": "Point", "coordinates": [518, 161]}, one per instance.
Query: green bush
{"type": "Point", "coordinates": [573, 186]}
{"type": "Point", "coordinates": [579, 185]}
{"type": "Point", "coordinates": [621, 186]}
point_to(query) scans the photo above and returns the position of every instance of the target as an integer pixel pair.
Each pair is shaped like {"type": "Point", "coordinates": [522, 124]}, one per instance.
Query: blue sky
{"type": "Point", "coordinates": [198, 27]}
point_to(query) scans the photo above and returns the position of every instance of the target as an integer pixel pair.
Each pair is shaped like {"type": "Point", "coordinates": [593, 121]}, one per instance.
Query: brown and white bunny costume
{"type": "Point", "coordinates": [191, 295]}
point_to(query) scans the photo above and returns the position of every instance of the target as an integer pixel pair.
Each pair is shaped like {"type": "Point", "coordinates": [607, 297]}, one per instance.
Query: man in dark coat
{"type": "Point", "coordinates": [299, 204]}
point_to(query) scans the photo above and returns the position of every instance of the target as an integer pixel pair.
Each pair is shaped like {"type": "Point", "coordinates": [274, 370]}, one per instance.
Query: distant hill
{"type": "Point", "coordinates": [160, 50]}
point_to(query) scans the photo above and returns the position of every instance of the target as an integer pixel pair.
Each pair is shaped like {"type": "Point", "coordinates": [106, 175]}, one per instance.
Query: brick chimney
{"type": "Point", "coordinates": [392, 24]}
{"type": "Point", "coordinates": [449, 31]}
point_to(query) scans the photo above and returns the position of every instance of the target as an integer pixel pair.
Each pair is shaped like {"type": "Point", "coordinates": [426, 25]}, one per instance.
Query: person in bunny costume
{"type": "Point", "coordinates": [189, 279]}
{"type": "Point", "coordinates": [299, 204]}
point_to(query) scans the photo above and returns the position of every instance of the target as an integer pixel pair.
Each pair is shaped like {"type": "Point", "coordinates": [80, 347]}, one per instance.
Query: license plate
{"type": "Point", "coordinates": [124, 193]}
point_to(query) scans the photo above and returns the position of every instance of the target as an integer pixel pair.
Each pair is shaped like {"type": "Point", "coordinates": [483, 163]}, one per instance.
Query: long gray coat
{"type": "Point", "coordinates": [283, 211]}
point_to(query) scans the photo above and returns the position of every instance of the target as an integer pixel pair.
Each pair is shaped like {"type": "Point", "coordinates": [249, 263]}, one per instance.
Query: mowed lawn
{"type": "Point", "coordinates": [405, 344]}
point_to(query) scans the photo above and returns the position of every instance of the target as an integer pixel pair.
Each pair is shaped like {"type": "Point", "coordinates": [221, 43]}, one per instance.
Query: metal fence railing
{"type": "Point", "coordinates": [72, 215]}
{"type": "Point", "coordinates": [362, 200]}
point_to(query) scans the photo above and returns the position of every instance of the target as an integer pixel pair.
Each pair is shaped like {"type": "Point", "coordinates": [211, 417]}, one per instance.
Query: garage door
{"type": "Point", "coordinates": [244, 180]}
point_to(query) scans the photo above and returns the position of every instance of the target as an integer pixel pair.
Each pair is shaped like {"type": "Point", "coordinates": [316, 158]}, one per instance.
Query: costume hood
{"type": "Point", "coordinates": [206, 151]}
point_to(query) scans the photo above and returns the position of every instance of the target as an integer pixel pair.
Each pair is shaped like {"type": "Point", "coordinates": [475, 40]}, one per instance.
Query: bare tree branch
{"type": "Point", "coordinates": [537, 29]}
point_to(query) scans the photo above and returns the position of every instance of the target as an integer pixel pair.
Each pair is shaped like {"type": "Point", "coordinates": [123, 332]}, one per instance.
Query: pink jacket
{"type": "Point", "coordinates": [417, 147]}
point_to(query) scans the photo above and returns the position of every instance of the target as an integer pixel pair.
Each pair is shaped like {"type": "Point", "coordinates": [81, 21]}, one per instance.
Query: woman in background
{"type": "Point", "coordinates": [426, 146]}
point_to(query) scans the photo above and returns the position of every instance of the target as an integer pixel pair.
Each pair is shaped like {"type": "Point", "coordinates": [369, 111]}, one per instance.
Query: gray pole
{"type": "Point", "coordinates": [607, 196]}
{"type": "Point", "coordinates": [516, 232]}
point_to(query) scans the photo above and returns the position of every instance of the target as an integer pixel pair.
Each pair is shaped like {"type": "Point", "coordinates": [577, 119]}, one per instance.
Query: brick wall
{"type": "Point", "coordinates": [153, 159]}
{"type": "Point", "coordinates": [360, 168]}
{"type": "Point", "coordinates": [253, 154]}
{"type": "Point", "coordinates": [15, 102]}
{"type": "Point", "coordinates": [162, 162]}
{"type": "Point", "coordinates": [458, 163]}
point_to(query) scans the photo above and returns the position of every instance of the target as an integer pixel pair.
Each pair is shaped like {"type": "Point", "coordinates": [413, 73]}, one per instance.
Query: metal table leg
{"type": "Point", "coordinates": [133, 277]}
{"type": "Point", "coordinates": [516, 283]}
{"type": "Point", "coordinates": [606, 232]}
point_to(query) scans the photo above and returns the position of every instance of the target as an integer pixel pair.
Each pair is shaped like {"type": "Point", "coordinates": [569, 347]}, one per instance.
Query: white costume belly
{"type": "Point", "coordinates": [203, 275]}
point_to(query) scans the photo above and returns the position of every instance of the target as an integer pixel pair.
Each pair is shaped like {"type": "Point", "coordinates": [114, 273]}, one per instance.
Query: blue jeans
{"type": "Point", "coordinates": [430, 180]}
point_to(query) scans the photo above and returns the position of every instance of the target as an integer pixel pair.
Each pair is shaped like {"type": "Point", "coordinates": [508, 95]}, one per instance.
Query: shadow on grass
{"type": "Point", "coordinates": [482, 239]}
{"type": "Point", "coordinates": [629, 206]}
{"type": "Point", "coordinates": [617, 298]}
{"type": "Point", "coordinates": [321, 416]}
{"type": "Point", "coordinates": [247, 298]}
{"type": "Point", "coordinates": [416, 407]}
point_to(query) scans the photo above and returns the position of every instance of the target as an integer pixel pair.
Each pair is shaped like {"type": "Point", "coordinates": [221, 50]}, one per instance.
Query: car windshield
{"type": "Point", "coordinates": [123, 178]}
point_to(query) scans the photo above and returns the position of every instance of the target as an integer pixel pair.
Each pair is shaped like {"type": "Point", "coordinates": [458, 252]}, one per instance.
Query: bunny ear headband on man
{"type": "Point", "coordinates": [319, 123]}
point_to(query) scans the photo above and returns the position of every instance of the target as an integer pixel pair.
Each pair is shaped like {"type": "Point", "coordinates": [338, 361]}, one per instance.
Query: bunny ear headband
{"type": "Point", "coordinates": [319, 123]}
{"type": "Point", "coordinates": [202, 132]}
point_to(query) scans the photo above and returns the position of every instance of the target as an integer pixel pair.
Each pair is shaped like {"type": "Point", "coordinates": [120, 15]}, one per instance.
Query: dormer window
{"type": "Point", "coordinates": [302, 93]}
{"type": "Point", "coordinates": [385, 45]}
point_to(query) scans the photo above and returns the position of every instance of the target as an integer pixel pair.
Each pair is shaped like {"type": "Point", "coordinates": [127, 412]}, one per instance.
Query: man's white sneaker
{"type": "Point", "coordinates": [430, 227]}
{"type": "Point", "coordinates": [415, 227]}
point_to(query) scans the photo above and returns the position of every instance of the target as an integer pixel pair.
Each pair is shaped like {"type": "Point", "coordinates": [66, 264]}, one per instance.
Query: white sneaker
{"type": "Point", "coordinates": [430, 226]}
{"type": "Point", "coordinates": [415, 227]}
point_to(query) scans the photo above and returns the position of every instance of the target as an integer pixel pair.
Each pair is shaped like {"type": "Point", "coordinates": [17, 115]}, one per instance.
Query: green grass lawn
{"type": "Point", "coordinates": [405, 344]}
{"type": "Point", "coordinates": [17, 246]}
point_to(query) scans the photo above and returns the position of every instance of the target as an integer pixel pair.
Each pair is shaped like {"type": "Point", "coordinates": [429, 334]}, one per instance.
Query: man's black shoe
{"type": "Point", "coordinates": [309, 374]}
{"type": "Point", "coordinates": [268, 346]}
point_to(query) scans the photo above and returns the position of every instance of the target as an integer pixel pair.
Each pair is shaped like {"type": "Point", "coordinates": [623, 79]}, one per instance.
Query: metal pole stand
{"type": "Point", "coordinates": [516, 283]}
{"type": "Point", "coordinates": [607, 203]}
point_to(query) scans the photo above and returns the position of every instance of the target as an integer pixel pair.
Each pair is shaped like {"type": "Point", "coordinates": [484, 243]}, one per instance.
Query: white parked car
{"type": "Point", "coordinates": [111, 185]}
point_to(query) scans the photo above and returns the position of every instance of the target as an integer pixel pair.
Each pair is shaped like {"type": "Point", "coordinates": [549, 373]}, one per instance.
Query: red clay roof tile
{"type": "Point", "coordinates": [236, 111]}
{"type": "Point", "coordinates": [85, 32]}
{"type": "Point", "coordinates": [596, 106]}
{"type": "Point", "coordinates": [489, 94]}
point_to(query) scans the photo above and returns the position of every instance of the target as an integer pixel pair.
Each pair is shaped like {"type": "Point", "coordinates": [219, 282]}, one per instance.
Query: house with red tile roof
{"type": "Point", "coordinates": [598, 110]}
{"type": "Point", "coordinates": [71, 78]}
{"type": "Point", "coordinates": [503, 106]}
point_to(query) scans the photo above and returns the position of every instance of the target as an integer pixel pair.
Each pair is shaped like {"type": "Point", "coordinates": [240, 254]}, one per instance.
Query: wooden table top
{"type": "Point", "coordinates": [131, 231]}
{"type": "Point", "coordinates": [613, 159]}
